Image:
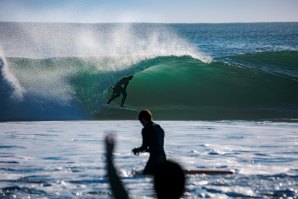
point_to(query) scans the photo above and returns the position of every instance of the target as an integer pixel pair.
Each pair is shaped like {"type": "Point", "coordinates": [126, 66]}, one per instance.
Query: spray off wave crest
{"type": "Point", "coordinates": [131, 42]}
{"type": "Point", "coordinates": [10, 82]}
{"type": "Point", "coordinates": [64, 71]}
{"type": "Point", "coordinates": [116, 47]}
{"type": "Point", "coordinates": [71, 72]}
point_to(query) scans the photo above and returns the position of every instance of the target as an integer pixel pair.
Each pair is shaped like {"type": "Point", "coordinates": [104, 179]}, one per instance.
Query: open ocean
{"type": "Point", "coordinates": [226, 95]}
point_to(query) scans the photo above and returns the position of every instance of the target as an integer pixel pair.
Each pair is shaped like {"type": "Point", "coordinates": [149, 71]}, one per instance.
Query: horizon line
{"type": "Point", "coordinates": [64, 22]}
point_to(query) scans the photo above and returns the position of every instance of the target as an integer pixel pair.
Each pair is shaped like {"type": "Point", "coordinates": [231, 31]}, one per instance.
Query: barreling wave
{"type": "Point", "coordinates": [259, 85]}
{"type": "Point", "coordinates": [183, 87]}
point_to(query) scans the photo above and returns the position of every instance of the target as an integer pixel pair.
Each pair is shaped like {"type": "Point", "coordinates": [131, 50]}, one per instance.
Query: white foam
{"type": "Point", "coordinates": [18, 91]}
{"type": "Point", "coordinates": [46, 83]}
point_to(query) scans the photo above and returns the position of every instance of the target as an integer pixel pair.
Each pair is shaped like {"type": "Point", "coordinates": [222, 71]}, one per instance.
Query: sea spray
{"type": "Point", "coordinates": [12, 82]}
{"type": "Point", "coordinates": [74, 65]}
{"type": "Point", "coordinates": [43, 79]}
{"type": "Point", "coordinates": [129, 42]}
{"type": "Point", "coordinates": [67, 67]}
{"type": "Point", "coordinates": [40, 101]}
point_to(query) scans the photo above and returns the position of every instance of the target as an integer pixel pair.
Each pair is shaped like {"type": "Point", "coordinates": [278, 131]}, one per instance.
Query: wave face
{"type": "Point", "coordinates": [196, 90]}
{"type": "Point", "coordinates": [172, 77]}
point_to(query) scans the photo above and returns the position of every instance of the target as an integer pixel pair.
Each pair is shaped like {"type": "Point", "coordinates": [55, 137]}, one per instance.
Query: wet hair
{"type": "Point", "coordinates": [169, 180]}
{"type": "Point", "coordinates": [146, 114]}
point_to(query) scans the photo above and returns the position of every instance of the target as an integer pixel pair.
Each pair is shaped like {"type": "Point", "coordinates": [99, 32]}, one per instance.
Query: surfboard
{"type": "Point", "coordinates": [117, 106]}
{"type": "Point", "coordinates": [193, 172]}
{"type": "Point", "coordinates": [208, 172]}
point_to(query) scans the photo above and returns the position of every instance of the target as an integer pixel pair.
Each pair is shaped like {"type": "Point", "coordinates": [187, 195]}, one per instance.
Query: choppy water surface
{"type": "Point", "coordinates": [66, 160]}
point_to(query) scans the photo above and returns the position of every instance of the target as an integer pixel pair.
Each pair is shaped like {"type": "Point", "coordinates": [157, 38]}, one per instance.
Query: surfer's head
{"type": "Point", "coordinates": [169, 180]}
{"type": "Point", "coordinates": [145, 116]}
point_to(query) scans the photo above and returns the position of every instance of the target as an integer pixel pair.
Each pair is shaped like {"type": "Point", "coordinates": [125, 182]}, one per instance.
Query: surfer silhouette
{"type": "Point", "coordinates": [153, 142]}
{"type": "Point", "coordinates": [120, 88]}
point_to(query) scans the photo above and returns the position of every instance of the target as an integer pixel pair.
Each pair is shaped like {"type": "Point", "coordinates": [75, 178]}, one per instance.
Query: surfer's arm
{"type": "Point", "coordinates": [145, 144]}
{"type": "Point", "coordinates": [116, 185]}
{"type": "Point", "coordinates": [125, 86]}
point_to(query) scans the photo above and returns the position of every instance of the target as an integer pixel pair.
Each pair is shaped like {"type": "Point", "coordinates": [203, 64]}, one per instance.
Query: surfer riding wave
{"type": "Point", "coordinates": [120, 88]}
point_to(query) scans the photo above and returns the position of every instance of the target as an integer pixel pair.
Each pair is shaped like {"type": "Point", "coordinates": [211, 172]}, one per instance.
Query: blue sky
{"type": "Point", "coordinates": [163, 11]}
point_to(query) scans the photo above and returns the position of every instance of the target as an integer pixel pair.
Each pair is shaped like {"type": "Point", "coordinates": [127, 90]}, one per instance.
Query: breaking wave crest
{"type": "Point", "coordinates": [176, 87]}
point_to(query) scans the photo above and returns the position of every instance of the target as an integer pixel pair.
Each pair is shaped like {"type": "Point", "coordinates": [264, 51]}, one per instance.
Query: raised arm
{"type": "Point", "coordinates": [117, 187]}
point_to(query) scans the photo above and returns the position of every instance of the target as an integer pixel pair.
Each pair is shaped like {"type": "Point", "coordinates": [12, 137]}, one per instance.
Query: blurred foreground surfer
{"type": "Point", "coordinates": [168, 176]}
{"type": "Point", "coordinates": [116, 185]}
{"type": "Point", "coordinates": [153, 142]}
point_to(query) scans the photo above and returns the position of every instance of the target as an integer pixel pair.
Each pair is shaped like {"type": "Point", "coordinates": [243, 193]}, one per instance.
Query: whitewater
{"type": "Point", "coordinates": [225, 94]}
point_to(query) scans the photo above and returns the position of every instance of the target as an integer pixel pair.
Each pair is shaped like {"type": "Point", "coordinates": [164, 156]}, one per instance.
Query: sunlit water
{"type": "Point", "coordinates": [66, 159]}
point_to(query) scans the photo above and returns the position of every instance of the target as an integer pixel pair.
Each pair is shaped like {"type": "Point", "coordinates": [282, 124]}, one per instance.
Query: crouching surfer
{"type": "Point", "coordinates": [120, 89]}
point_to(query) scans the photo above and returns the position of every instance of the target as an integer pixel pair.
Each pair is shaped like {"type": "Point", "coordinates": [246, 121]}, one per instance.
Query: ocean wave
{"type": "Point", "coordinates": [177, 87]}
{"type": "Point", "coordinates": [282, 63]}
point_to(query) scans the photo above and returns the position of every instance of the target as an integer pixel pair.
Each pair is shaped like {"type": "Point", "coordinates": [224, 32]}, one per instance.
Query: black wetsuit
{"type": "Point", "coordinates": [153, 142]}
{"type": "Point", "coordinates": [120, 88]}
